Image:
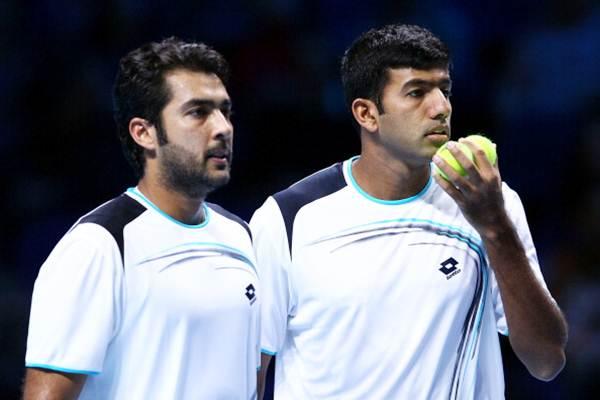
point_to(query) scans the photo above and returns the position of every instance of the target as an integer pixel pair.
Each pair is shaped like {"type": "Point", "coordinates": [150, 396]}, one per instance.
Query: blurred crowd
{"type": "Point", "coordinates": [524, 73]}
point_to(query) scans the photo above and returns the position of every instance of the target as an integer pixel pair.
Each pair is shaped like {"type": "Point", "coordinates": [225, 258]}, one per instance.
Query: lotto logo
{"type": "Point", "coordinates": [449, 267]}
{"type": "Point", "coordinates": [251, 293]}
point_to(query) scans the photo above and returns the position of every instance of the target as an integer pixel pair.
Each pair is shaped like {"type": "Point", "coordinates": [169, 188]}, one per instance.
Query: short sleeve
{"type": "Point", "coordinates": [76, 303]}
{"type": "Point", "coordinates": [516, 213]}
{"type": "Point", "coordinates": [273, 258]}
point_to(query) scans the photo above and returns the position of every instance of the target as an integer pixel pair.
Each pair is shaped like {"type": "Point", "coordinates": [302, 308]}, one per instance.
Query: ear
{"type": "Point", "coordinates": [143, 133]}
{"type": "Point", "coordinates": [366, 114]}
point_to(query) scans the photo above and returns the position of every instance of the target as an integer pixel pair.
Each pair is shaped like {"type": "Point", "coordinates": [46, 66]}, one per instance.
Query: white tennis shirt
{"type": "Point", "coordinates": [370, 299]}
{"type": "Point", "coordinates": [148, 307]}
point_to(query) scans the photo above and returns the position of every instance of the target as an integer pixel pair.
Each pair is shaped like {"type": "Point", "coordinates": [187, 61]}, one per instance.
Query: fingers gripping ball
{"type": "Point", "coordinates": [480, 141]}
{"type": "Point", "coordinates": [486, 145]}
{"type": "Point", "coordinates": [445, 155]}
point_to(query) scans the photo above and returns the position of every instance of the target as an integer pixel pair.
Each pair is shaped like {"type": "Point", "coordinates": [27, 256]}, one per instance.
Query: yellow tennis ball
{"type": "Point", "coordinates": [486, 145]}
{"type": "Point", "coordinates": [445, 154]}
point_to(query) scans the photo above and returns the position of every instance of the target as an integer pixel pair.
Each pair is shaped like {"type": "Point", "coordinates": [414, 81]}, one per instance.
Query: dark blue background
{"type": "Point", "coordinates": [525, 73]}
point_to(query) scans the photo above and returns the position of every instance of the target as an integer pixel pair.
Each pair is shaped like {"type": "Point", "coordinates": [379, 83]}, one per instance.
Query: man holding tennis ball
{"type": "Point", "coordinates": [382, 279]}
{"type": "Point", "coordinates": [480, 141]}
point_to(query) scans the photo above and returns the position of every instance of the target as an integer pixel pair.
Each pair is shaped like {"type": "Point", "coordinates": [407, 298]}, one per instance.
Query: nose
{"type": "Point", "coordinates": [440, 107]}
{"type": "Point", "coordinates": [222, 126]}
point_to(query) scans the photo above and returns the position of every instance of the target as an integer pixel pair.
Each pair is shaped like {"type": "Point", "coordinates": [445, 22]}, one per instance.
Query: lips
{"type": "Point", "coordinates": [439, 130]}
{"type": "Point", "coordinates": [219, 153]}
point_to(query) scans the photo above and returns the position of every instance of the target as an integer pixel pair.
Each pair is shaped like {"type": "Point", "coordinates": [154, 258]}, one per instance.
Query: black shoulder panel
{"type": "Point", "coordinates": [309, 189]}
{"type": "Point", "coordinates": [218, 209]}
{"type": "Point", "coordinates": [114, 215]}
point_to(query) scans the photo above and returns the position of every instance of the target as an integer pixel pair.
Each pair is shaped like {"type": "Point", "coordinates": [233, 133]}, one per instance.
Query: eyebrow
{"type": "Point", "coordinates": [205, 103]}
{"type": "Point", "coordinates": [428, 83]}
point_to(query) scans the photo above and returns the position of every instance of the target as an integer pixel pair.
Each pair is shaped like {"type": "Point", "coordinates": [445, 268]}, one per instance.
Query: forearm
{"type": "Point", "coordinates": [41, 384]}
{"type": "Point", "coordinates": [537, 328]}
{"type": "Point", "coordinates": [265, 361]}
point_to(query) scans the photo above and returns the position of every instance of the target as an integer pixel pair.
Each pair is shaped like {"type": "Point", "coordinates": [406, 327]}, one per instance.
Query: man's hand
{"type": "Point", "coordinates": [479, 192]}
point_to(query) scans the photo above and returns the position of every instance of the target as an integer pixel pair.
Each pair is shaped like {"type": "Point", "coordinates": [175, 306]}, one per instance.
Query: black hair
{"type": "Point", "coordinates": [140, 89]}
{"type": "Point", "coordinates": [365, 64]}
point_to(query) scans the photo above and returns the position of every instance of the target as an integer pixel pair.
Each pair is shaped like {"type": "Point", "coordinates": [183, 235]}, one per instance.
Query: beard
{"type": "Point", "coordinates": [183, 172]}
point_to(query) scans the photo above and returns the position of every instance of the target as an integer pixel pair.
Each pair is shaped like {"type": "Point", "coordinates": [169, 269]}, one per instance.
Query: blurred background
{"type": "Point", "coordinates": [527, 74]}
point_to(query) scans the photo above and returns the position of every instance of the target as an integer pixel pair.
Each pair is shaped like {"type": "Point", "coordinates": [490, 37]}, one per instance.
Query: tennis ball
{"type": "Point", "coordinates": [445, 155]}
{"type": "Point", "coordinates": [486, 145]}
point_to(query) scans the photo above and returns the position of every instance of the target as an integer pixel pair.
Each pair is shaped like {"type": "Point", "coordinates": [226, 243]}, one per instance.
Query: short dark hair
{"type": "Point", "coordinates": [140, 88]}
{"type": "Point", "coordinates": [365, 63]}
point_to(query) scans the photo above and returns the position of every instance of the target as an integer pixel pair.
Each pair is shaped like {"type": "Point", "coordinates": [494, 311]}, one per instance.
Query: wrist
{"type": "Point", "coordinates": [498, 230]}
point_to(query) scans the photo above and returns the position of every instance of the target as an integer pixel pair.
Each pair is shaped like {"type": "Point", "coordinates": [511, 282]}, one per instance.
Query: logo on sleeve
{"type": "Point", "coordinates": [251, 293]}
{"type": "Point", "coordinates": [449, 267]}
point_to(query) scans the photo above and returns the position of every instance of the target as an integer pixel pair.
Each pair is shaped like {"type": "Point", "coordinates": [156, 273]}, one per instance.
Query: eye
{"type": "Point", "coordinates": [416, 93]}
{"type": "Point", "coordinates": [447, 93]}
{"type": "Point", "coordinates": [227, 112]}
{"type": "Point", "coordinates": [199, 112]}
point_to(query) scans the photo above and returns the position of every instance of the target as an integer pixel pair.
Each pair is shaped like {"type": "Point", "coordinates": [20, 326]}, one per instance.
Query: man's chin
{"type": "Point", "coordinates": [217, 180]}
{"type": "Point", "coordinates": [200, 188]}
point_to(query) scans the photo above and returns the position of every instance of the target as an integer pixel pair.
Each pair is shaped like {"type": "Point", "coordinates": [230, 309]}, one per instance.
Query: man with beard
{"type": "Point", "coordinates": [154, 293]}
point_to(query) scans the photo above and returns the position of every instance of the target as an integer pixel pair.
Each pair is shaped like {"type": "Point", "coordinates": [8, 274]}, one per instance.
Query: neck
{"type": "Point", "coordinates": [387, 179]}
{"type": "Point", "coordinates": [177, 205]}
